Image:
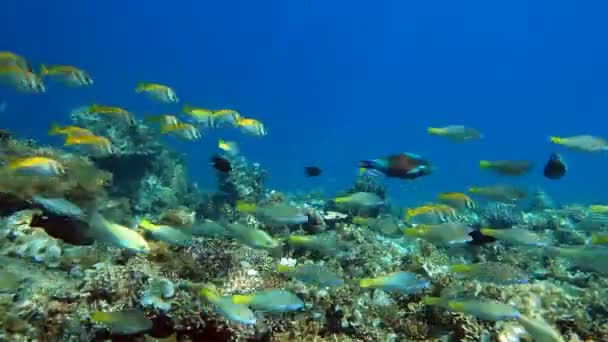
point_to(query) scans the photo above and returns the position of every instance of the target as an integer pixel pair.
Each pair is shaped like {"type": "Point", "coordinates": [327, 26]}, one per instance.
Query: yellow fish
{"type": "Point", "coordinates": [181, 130]}
{"type": "Point", "coordinates": [157, 92]}
{"type": "Point", "coordinates": [36, 166]}
{"type": "Point", "coordinates": [230, 147]}
{"type": "Point", "coordinates": [430, 213]}
{"type": "Point", "coordinates": [116, 112]}
{"type": "Point", "coordinates": [457, 200]}
{"type": "Point", "coordinates": [225, 117]}
{"type": "Point", "coordinates": [251, 126]}
{"type": "Point", "coordinates": [597, 208]}
{"type": "Point", "coordinates": [9, 58]}
{"type": "Point", "coordinates": [69, 130]}
{"type": "Point", "coordinates": [21, 80]}
{"type": "Point", "coordinates": [94, 143]}
{"type": "Point", "coordinates": [68, 74]}
{"type": "Point", "coordinates": [200, 115]}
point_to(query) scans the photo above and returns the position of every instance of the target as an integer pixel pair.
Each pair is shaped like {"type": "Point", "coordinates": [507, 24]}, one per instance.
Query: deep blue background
{"type": "Point", "coordinates": [338, 81]}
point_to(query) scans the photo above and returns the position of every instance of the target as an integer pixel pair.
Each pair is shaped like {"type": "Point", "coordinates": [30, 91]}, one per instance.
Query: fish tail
{"type": "Point", "coordinates": [241, 299]}
{"type": "Point", "coordinates": [556, 140]}
{"type": "Point", "coordinates": [43, 70]}
{"type": "Point", "coordinates": [284, 268]}
{"type": "Point", "coordinates": [245, 207]}
{"type": "Point", "coordinates": [484, 164]}
{"type": "Point", "coordinates": [99, 316]}
{"type": "Point", "coordinates": [141, 86]}
{"type": "Point", "coordinates": [54, 129]}
{"type": "Point", "coordinates": [598, 239]}
{"type": "Point", "coordinates": [147, 225]}
{"type": "Point", "coordinates": [434, 131]}
{"type": "Point", "coordinates": [487, 231]}
{"type": "Point", "coordinates": [461, 268]}
{"type": "Point", "coordinates": [208, 293]}
{"type": "Point", "coordinates": [368, 282]}
{"type": "Point", "coordinates": [342, 199]}
{"type": "Point", "coordinates": [431, 300]}
{"type": "Point", "coordinates": [186, 108]}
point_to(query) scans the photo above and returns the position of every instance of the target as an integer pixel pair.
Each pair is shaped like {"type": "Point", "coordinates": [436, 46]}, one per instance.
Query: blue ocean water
{"type": "Point", "coordinates": [338, 81]}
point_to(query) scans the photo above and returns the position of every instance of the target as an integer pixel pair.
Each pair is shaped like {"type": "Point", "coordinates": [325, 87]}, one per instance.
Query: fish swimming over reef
{"type": "Point", "coordinates": [456, 133]}
{"type": "Point", "coordinates": [405, 166]}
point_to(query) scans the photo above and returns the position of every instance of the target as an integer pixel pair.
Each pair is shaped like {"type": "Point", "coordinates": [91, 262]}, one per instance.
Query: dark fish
{"type": "Point", "coordinates": [403, 165]}
{"type": "Point", "coordinates": [556, 167]}
{"type": "Point", "coordinates": [312, 171]}
{"type": "Point", "coordinates": [221, 164]}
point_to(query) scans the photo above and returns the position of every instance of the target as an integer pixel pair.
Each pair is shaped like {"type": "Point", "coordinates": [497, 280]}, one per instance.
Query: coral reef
{"type": "Point", "coordinates": [500, 216]}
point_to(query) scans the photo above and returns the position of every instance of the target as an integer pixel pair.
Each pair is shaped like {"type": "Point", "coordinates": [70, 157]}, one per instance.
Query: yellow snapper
{"type": "Point", "coordinates": [21, 80]}
{"type": "Point", "coordinates": [67, 74]}
{"type": "Point", "coordinates": [224, 117]}
{"type": "Point", "coordinates": [36, 166]}
{"type": "Point", "coordinates": [181, 130]}
{"type": "Point", "coordinates": [91, 143]}
{"type": "Point", "coordinates": [8, 58]}
{"type": "Point", "coordinates": [157, 92]}
{"type": "Point", "coordinates": [68, 130]}
{"type": "Point", "coordinates": [201, 116]}
{"type": "Point", "coordinates": [114, 112]}
{"type": "Point", "coordinates": [230, 147]}
{"type": "Point", "coordinates": [251, 127]}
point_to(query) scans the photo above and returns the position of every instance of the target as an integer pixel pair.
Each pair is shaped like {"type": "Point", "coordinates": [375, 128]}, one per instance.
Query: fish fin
{"type": "Point", "coordinates": [555, 140]}
{"type": "Point", "coordinates": [54, 129]}
{"type": "Point", "coordinates": [43, 70]}
{"type": "Point", "coordinates": [241, 299]}
{"type": "Point", "coordinates": [141, 86]}
{"type": "Point", "coordinates": [484, 164]}
{"type": "Point", "coordinates": [99, 316]}
{"type": "Point", "coordinates": [461, 268]}
{"type": "Point", "coordinates": [434, 131]}
{"type": "Point", "coordinates": [245, 207]}
{"type": "Point", "coordinates": [431, 300]}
